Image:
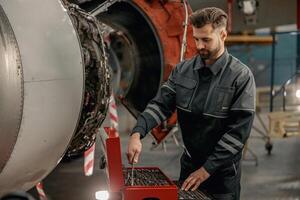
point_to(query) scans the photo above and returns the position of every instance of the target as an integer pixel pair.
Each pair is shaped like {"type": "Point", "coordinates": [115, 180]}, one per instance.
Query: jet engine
{"type": "Point", "coordinates": [147, 41]}
{"type": "Point", "coordinates": [55, 79]}
{"type": "Point", "coordinates": [54, 86]}
{"type": "Point", "coordinates": [149, 38]}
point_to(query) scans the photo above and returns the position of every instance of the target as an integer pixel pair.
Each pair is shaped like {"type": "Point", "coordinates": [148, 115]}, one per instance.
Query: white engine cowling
{"type": "Point", "coordinates": [41, 89]}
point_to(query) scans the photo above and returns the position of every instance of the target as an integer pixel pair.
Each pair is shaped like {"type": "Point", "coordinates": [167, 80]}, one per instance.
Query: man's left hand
{"type": "Point", "coordinates": [195, 179]}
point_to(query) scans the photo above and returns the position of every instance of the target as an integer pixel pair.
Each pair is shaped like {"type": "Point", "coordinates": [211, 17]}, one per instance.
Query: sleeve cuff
{"type": "Point", "coordinates": [209, 167]}
{"type": "Point", "coordinates": [139, 130]}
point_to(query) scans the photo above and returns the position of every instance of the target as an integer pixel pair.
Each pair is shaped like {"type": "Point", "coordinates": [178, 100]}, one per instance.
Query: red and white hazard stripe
{"type": "Point", "coordinates": [114, 120]}
{"type": "Point", "coordinates": [40, 190]}
{"type": "Point", "coordinates": [90, 153]}
{"type": "Point", "coordinates": [89, 161]}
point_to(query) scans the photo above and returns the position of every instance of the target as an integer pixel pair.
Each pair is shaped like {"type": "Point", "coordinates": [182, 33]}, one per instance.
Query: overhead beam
{"type": "Point", "coordinates": [248, 39]}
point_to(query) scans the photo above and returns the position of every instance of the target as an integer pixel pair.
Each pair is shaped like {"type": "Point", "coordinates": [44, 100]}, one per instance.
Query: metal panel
{"type": "Point", "coordinates": [53, 89]}
{"type": "Point", "coordinates": [11, 89]}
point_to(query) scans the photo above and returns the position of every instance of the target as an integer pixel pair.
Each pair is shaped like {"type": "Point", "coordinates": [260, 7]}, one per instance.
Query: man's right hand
{"type": "Point", "coordinates": [134, 148]}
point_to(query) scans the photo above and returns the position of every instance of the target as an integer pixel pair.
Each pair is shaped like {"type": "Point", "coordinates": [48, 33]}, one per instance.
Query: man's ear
{"type": "Point", "coordinates": [223, 34]}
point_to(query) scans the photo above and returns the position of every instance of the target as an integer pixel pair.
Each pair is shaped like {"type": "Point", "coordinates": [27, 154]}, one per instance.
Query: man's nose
{"type": "Point", "coordinates": [200, 45]}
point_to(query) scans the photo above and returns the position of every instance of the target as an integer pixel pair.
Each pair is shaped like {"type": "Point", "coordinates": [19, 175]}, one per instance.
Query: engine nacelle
{"type": "Point", "coordinates": [54, 86]}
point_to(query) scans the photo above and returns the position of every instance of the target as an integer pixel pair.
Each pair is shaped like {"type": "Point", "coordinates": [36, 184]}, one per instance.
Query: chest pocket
{"type": "Point", "coordinates": [220, 101]}
{"type": "Point", "coordinates": [185, 88]}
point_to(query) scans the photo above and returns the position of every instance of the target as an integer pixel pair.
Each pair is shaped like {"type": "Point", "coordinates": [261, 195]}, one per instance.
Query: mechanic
{"type": "Point", "coordinates": [214, 95]}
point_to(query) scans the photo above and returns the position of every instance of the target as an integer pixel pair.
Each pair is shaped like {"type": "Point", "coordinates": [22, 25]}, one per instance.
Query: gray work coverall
{"type": "Point", "coordinates": [215, 107]}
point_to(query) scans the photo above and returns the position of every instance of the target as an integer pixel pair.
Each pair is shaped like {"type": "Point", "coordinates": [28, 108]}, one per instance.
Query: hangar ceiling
{"type": "Point", "coordinates": [269, 13]}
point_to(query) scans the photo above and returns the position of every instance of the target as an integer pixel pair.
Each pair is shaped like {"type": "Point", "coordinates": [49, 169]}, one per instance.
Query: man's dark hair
{"type": "Point", "coordinates": [210, 15]}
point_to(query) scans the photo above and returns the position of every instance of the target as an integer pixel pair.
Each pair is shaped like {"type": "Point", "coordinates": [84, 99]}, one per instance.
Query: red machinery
{"type": "Point", "coordinates": [168, 19]}
{"type": "Point", "coordinates": [118, 183]}
{"type": "Point", "coordinates": [149, 182]}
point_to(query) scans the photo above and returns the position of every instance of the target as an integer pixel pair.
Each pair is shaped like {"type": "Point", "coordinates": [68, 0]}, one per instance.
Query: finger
{"type": "Point", "coordinates": [136, 157]}
{"type": "Point", "coordinates": [130, 156]}
{"type": "Point", "coordinates": [185, 183]}
{"type": "Point", "coordinates": [196, 185]}
{"type": "Point", "coordinates": [190, 184]}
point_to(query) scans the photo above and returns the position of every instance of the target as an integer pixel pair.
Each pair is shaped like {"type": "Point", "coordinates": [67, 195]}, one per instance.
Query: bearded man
{"type": "Point", "coordinates": [214, 94]}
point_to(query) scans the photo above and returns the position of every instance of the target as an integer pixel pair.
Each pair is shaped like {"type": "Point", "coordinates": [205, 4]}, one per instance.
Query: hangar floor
{"type": "Point", "coordinates": [276, 177]}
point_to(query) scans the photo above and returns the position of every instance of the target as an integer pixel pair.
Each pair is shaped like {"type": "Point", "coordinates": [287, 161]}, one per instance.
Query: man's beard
{"type": "Point", "coordinates": [206, 54]}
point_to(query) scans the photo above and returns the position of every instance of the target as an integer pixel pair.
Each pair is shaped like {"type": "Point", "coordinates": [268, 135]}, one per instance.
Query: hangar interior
{"type": "Point", "coordinates": [69, 68]}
